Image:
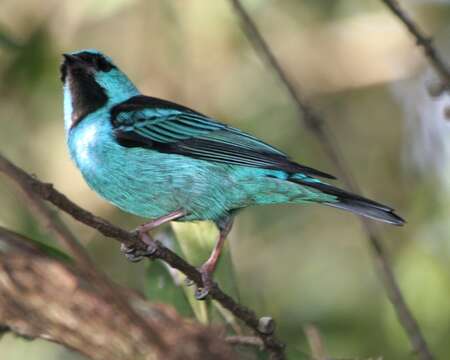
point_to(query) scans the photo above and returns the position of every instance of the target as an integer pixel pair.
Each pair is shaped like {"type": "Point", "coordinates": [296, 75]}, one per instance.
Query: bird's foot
{"type": "Point", "coordinates": [206, 272]}
{"type": "Point", "coordinates": [134, 254]}
{"type": "Point", "coordinates": [188, 282]}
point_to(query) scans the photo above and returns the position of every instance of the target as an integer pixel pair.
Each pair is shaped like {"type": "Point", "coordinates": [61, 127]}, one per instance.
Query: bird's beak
{"type": "Point", "coordinates": [71, 59]}
{"type": "Point", "coordinates": [72, 63]}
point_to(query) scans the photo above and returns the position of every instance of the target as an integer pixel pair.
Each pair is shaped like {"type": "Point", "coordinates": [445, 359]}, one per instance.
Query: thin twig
{"type": "Point", "coordinates": [320, 129]}
{"type": "Point", "coordinates": [315, 342]}
{"type": "Point", "coordinates": [434, 57]}
{"type": "Point", "coordinates": [63, 234]}
{"type": "Point", "coordinates": [48, 193]}
{"type": "Point", "coordinates": [252, 341]}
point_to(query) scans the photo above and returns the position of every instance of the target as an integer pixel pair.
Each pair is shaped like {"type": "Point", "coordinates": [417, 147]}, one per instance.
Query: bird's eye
{"type": "Point", "coordinates": [102, 64]}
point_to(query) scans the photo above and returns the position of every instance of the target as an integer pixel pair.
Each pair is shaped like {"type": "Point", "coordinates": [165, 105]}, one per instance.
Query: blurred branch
{"type": "Point", "coordinates": [77, 251]}
{"type": "Point", "coordinates": [434, 57]}
{"type": "Point", "coordinates": [245, 341]}
{"type": "Point", "coordinates": [320, 129]}
{"type": "Point", "coordinates": [41, 297]}
{"type": "Point", "coordinates": [48, 193]}
{"type": "Point", "coordinates": [63, 234]}
{"type": "Point", "coordinates": [315, 342]}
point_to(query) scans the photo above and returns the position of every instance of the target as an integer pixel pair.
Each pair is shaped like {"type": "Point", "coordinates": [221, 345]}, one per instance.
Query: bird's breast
{"type": "Point", "coordinates": [85, 146]}
{"type": "Point", "coordinates": [93, 149]}
{"type": "Point", "coordinates": [145, 182]}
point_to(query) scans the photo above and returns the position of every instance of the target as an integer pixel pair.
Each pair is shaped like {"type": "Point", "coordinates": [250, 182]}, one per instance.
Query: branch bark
{"type": "Point", "coordinates": [46, 192]}
{"type": "Point", "coordinates": [315, 123]}
{"type": "Point", "coordinates": [434, 57]}
{"type": "Point", "coordinates": [41, 297]}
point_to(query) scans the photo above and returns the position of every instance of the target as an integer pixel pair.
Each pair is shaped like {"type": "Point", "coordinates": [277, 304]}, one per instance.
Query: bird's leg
{"type": "Point", "coordinates": [162, 220]}
{"type": "Point", "coordinates": [207, 269]}
{"type": "Point", "coordinates": [135, 255]}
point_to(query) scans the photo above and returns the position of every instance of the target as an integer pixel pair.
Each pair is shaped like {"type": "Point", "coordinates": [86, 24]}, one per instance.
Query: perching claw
{"type": "Point", "coordinates": [135, 255]}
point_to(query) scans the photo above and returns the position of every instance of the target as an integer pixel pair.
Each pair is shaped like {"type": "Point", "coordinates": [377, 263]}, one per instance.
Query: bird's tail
{"type": "Point", "coordinates": [355, 203]}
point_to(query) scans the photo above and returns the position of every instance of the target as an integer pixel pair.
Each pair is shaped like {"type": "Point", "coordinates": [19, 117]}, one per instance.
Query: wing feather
{"type": "Point", "coordinates": [163, 126]}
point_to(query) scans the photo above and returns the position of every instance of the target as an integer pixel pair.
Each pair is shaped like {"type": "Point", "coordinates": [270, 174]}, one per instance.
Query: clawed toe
{"type": "Point", "coordinates": [135, 255]}
{"type": "Point", "coordinates": [201, 293]}
{"type": "Point", "coordinates": [134, 258]}
{"type": "Point", "coordinates": [130, 253]}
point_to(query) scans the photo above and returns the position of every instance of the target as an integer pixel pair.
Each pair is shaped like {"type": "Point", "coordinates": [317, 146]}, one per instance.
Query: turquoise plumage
{"type": "Point", "coordinates": [164, 161]}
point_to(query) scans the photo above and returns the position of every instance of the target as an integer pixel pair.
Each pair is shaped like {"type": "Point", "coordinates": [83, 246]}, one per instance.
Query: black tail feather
{"type": "Point", "coordinates": [367, 210]}
{"type": "Point", "coordinates": [356, 203]}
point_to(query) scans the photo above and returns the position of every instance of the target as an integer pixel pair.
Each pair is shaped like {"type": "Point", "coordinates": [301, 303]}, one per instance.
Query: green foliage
{"type": "Point", "coordinates": [164, 285]}
{"type": "Point", "coordinates": [30, 62]}
{"type": "Point", "coordinates": [7, 41]}
{"type": "Point", "coordinates": [53, 252]}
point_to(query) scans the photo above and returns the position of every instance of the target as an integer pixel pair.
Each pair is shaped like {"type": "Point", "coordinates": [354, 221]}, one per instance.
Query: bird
{"type": "Point", "coordinates": [167, 162]}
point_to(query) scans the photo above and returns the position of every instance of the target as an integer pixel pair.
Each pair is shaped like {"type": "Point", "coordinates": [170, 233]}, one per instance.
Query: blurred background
{"type": "Point", "coordinates": [359, 68]}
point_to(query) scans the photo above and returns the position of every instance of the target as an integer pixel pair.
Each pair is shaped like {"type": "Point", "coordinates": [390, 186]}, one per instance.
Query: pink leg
{"type": "Point", "coordinates": [208, 268]}
{"type": "Point", "coordinates": [132, 254]}
{"type": "Point", "coordinates": [162, 220]}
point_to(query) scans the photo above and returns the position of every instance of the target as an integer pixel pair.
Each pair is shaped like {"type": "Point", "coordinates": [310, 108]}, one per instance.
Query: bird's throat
{"type": "Point", "coordinates": [86, 96]}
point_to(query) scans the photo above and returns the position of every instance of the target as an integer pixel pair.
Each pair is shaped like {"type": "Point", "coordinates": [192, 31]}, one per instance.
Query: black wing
{"type": "Point", "coordinates": [167, 127]}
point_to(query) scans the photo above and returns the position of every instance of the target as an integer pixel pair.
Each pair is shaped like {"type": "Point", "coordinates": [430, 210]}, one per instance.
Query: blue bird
{"type": "Point", "coordinates": [163, 161]}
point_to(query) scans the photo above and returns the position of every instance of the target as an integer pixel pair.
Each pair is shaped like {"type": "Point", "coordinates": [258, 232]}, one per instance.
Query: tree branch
{"type": "Point", "coordinates": [85, 264]}
{"type": "Point", "coordinates": [320, 129]}
{"type": "Point", "coordinates": [434, 57]}
{"type": "Point", "coordinates": [48, 193]}
{"type": "Point", "coordinates": [315, 342]}
{"type": "Point", "coordinates": [41, 297]}
{"type": "Point", "coordinates": [252, 341]}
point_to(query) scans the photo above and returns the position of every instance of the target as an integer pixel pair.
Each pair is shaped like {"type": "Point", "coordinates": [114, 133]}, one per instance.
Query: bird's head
{"type": "Point", "coordinates": [91, 81]}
